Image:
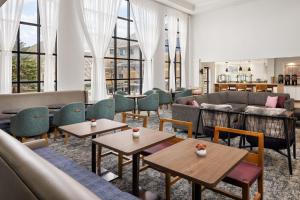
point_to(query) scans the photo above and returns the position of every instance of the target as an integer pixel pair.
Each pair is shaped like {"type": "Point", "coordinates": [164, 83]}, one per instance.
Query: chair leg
{"type": "Point", "coordinates": [245, 191]}
{"type": "Point", "coordinates": [120, 165]}
{"type": "Point", "coordinates": [55, 134]}
{"type": "Point", "coordinates": [290, 160]}
{"type": "Point", "coordinates": [23, 139]}
{"type": "Point", "coordinates": [294, 150]}
{"type": "Point", "coordinates": [99, 157]}
{"type": "Point", "coordinates": [45, 136]}
{"type": "Point", "coordinates": [260, 184]}
{"type": "Point", "coordinates": [168, 186]}
{"type": "Point", "coordinates": [148, 113]}
{"type": "Point", "coordinates": [66, 138]}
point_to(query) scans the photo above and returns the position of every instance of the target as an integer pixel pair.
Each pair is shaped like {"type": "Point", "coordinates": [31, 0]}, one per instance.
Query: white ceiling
{"type": "Point", "coordinates": [206, 5]}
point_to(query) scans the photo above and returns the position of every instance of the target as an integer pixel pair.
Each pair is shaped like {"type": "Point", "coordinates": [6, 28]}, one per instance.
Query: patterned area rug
{"type": "Point", "coordinates": [278, 184]}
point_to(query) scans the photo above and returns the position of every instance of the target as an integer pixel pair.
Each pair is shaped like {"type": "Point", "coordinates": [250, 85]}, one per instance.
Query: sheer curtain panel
{"type": "Point", "coordinates": [98, 19]}
{"type": "Point", "coordinates": [10, 14]}
{"type": "Point", "coordinates": [172, 21]}
{"type": "Point", "coordinates": [148, 19]}
{"type": "Point", "coordinates": [183, 30]}
{"type": "Point", "coordinates": [49, 11]}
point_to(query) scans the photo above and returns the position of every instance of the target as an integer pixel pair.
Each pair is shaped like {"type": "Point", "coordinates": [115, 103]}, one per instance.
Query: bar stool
{"type": "Point", "coordinates": [223, 87]}
{"type": "Point", "coordinates": [261, 88]}
{"type": "Point", "coordinates": [241, 87]}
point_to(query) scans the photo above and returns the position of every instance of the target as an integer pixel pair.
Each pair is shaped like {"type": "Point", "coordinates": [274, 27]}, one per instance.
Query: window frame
{"type": "Point", "coordinates": [175, 63]}
{"type": "Point", "coordinates": [38, 54]}
{"type": "Point", "coordinates": [128, 58]}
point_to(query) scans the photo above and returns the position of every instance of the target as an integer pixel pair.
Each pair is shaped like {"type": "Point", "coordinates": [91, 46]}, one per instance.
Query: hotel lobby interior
{"type": "Point", "coordinates": [149, 99]}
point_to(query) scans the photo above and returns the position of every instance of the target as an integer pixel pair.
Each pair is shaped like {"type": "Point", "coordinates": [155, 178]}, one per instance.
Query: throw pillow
{"type": "Point", "coordinates": [221, 107]}
{"type": "Point", "coordinates": [264, 111]}
{"type": "Point", "coordinates": [280, 101]}
{"type": "Point", "coordinates": [195, 104]}
{"type": "Point", "coordinates": [189, 103]}
{"type": "Point", "coordinates": [271, 102]}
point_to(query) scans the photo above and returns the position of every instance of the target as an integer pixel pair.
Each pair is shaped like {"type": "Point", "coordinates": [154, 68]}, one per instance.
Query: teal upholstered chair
{"type": "Point", "coordinates": [165, 98]}
{"type": "Point", "coordinates": [104, 109]}
{"type": "Point", "coordinates": [149, 103]}
{"type": "Point", "coordinates": [157, 89]}
{"type": "Point", "coordinates": [30, 122]}
{"type": "Point", "coordinates": [181, 89]}
{"type": "Point", "coordinates": [120, 92]}
{"type": "Point", "coordinates": [184, 93]}
{"type": "Point", "coordinates": [149, 92]}
{"type": "Point", "coordinates": [69, 114]}
{"type": "Point", "coordinates": [123, 104]}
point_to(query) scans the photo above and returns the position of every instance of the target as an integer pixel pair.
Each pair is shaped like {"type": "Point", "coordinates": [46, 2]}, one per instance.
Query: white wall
{"type": "Point", "coordinates": [70, 50]}
{"type": "Point", "coordinates": [250, 30]}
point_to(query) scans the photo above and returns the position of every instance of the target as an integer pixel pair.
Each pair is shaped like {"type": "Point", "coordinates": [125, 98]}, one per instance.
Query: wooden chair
{"type": "Point", "coordinates": [241, 87]}
{"type": "Point", "coordinates": [246, 172]}
{"type": "Point", "coordinates": [121, 157]}
{"type": "Point", "coordinates": [261, 88]}
{"type": "Point", "coordinates": [169, 180]}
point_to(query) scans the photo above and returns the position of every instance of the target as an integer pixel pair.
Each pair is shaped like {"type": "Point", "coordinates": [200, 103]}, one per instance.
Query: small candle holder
{"type": "Point", "coordinates": [93, 122]}
{"type": "Point", "coordinates": [136, 133]}
{"type": "Point", "coordinates": [201, 150]}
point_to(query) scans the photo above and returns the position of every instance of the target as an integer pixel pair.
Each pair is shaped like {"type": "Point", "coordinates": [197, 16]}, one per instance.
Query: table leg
{"type": "Point", "coordinates": [135, 174]}
{"type": "Point", "coordinates": [135, 104]}
{"type": "Point", "coordinates": [196, 191]}
{"type": "Point", "coordinates": [93, 155]}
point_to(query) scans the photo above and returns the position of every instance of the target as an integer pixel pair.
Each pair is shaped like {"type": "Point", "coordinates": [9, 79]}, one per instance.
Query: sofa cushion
{"type": "Point", "coordinates": [184, 100]}
{"type": "Point", "coordinates": [201, 99]}
{"type": "Point", "coordinates": [102, 188]}
{"type": "Point", "coordinates": [236, 107]}
{"type": "Point", "coordinates": [280, 101]}
{"type": "Point", "coordinates": [217, 98]}
{"type": "Point", "coordinates": [222, 107]}
{"type": "Point", "coordinates": [271, 102]}
{"type": "Point", "coordinates": [258, 98]}
{"type": "Point", "coordinates": [265, 111]}
{"type": "Point", "coordinates": [238, 97]}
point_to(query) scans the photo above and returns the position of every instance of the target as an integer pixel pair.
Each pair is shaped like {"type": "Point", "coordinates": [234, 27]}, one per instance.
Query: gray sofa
{"type": "Point", "coordinates": [38, 172]}
{"type": "Point", "coordinates": [239, 100]}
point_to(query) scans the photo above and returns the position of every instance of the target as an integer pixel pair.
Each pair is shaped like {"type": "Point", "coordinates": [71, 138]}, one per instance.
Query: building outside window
{"type": "Point", "coordinates": [177, 61]}
{"type": "Point", "coordinates": [123, 61]}
{"type": "Point", "coordinates": [28, 52]}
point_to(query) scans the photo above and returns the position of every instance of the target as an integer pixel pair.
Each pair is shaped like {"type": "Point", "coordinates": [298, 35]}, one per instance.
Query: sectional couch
{"type": "Point", "coordinates": [239, 100]}
{"type": "Point", "coordinates": [33, 171]}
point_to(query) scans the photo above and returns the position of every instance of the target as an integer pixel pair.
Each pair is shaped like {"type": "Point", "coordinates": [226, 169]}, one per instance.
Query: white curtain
{"type": "Point", "coordinates": [183, 30]}
{"type": "Point", "coordinates": [98, 19]}
{"type": "Point", "coordinates": [10, 14]}
{"type": "Point", "coordinates": [148, 20]}
{"type": "Point", "coordinates": [172, 21]}
{"type": "Point", "coordinates": [49, 11]}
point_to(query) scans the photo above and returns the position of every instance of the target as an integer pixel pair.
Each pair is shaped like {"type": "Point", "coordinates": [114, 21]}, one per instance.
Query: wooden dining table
{"type": "Point", "coordinates": [84, 130]}
{"type": "Point", "coordinates": [181, 160]}
{"type": "Point", "coordinates": [124, 143]}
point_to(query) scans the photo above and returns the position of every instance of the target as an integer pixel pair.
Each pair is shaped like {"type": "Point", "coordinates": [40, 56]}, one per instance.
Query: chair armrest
{"type": "Point", "coordinates": [289, 104]}
{"type": "Point", "coordinates": [36, 144]}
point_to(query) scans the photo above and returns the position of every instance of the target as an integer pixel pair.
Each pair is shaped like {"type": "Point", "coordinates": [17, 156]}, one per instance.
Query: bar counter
{"type": "Point", "coordinates": [250, 86]}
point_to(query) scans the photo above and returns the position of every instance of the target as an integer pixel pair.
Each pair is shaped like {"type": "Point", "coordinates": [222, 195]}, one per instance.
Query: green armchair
{"type": "Point", "coordinates": [149, 103]}
{"type": "Point", "coordinates": [30, 122]}
{"type": "Point", "coordinates": [123, 104]}
{"type": "Point", "coordinates": [104, 109]}
{"type": "Point", "coordinates": [69, 114]}
{"type": "Point", "coordinates": [184, 93]}
{"type": "Point", "coordinates": [120, 92]}
{"type": "Point", "coordinates": [165, 98]}
{"type": "Point", "coordinates": [149, 92]}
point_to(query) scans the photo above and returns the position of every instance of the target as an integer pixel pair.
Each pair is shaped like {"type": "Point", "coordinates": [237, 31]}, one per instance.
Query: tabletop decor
{"type": "Point", "coordinates": [136, 133]}
{"type": "Point", "coordinates": [201, 149]}
{"type": "Point", "coordinates": [93, 122]}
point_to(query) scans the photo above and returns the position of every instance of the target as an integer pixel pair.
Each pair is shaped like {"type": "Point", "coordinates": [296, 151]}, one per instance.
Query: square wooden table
{"type": "Point", "coordinates": [181, 160]}
{"type": "Point", "coordinates": [124, 143]}
{"type": "Point", "coordinates": [84, 129]}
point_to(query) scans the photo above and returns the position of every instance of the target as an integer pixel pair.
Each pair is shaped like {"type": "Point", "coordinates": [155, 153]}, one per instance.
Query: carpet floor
{"type": "Point", "coordinates": [278, 184]}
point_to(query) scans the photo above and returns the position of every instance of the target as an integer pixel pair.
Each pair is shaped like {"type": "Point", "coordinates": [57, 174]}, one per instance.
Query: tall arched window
{"type": "Point", "coordinates": [28, 52]}
{"type": "Point", "coordinates": [123, 61]}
